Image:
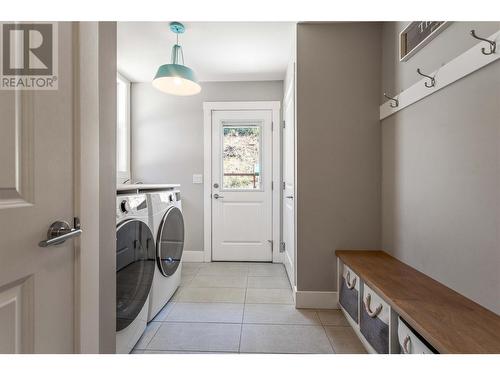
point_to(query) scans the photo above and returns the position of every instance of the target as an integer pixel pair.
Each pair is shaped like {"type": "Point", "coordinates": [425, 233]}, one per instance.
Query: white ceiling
{"type": "Point", "coordinates": [216, 51]}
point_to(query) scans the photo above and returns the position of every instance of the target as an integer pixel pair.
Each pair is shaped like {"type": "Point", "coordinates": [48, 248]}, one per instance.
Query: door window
{"type": "Point", "coordinates": [241, 157]}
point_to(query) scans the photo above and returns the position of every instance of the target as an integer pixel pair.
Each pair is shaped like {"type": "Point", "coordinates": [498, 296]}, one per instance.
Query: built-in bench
{"type": "Point", "coordinates": [394, 308]}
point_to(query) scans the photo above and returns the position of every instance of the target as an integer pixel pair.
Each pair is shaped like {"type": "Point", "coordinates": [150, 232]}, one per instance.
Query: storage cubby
{"type": "Point", "coordinates": [349, 293]}
{"type": "Point", "coordinates": [375, 318]}
{"type": "Point", "coordinates": [350, 300]}
{"type": "Point", "coordinates": [410, 342]}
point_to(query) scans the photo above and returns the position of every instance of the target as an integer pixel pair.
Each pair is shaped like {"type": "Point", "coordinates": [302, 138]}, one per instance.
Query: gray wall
{"type": "Point", "coordinates": [441, 168]}
{"type": "Point", "coordinates": [338, 146]}
{"type": "Point", "coordinates": [167, 139]}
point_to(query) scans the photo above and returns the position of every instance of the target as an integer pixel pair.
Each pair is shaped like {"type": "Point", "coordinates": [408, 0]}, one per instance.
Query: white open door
{"type": "Point", "coordinates": [288, 205]}
{"type": "Point", "coordinates": [37, 284]}
{"type": "Point", "coordinates": [242, 227]}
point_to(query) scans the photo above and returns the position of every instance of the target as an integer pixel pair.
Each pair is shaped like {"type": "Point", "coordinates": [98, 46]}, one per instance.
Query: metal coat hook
{"type": "Point", "coordinates": [395, 102]}
{"type": "Point", "coordinates": [493, 44]}
{"type": "Point", "coordinates": [427, 84]}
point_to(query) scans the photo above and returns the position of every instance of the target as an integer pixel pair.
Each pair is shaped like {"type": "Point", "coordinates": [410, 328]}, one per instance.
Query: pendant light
{"type": "Point", "coordinates": [176, 78]}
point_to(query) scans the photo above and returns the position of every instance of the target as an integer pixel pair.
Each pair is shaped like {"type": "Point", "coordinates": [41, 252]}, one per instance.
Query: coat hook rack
{"type": "Point", "coordinates": [427, 84]}
{"type": "Point", "coordinates": [493, 44]}
{"type": "Point", "coordinates": [395, 102]}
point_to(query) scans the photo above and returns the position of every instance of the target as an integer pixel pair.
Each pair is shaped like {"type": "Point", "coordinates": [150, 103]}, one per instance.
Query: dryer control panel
{"type": "Point", "coordinates": [131, 205]}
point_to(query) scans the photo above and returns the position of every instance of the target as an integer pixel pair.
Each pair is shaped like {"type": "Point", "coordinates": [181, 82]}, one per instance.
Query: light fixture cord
{"type": "Point", "coordinates": [180, 50]}
{"type": "Point", "coordinates": [177, 53]}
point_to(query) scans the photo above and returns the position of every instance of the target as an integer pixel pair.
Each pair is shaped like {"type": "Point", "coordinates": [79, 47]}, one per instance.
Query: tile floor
{"type": "Point", "coordinates": [243, 308]}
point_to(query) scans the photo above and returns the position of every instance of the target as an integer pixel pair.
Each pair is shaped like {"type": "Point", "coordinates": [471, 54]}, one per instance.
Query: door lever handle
{"type": "Point", "coordinates": [289, 196]}
{"type": "Point", "coordinates": [217, 196]}
{"type": "Point", "coordinates": [60, 231]}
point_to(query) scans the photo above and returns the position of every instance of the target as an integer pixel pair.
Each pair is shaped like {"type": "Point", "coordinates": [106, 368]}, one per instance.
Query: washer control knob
{"type": "Point", "coordinates": [124, 206]}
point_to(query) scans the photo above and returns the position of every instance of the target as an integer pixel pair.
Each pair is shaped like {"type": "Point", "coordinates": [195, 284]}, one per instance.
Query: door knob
{"type": "Point", "coordinates": [217, 196]}
{"type": "Point", "coordinates": [60, 231]}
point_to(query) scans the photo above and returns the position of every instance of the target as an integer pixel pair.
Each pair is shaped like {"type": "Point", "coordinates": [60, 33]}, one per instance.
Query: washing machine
{"type": "Point", "coordinates": [135, 269]}
{"type": "Point", "coordinates": [167, 223]}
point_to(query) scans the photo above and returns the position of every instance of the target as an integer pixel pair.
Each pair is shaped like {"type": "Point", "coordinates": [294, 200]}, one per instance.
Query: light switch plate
{"type": "Point", "coordinates": [197, 179]}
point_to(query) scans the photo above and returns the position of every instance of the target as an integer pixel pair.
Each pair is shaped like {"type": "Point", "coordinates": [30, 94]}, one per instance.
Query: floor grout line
{"type": "Point", "coordinates": [189, 351]}
{"type": "Point", "coordinates": [197, 322]}
{"type": "Point", "coordinates": [329, 341]}
{"type": "Point", "coordinates": [250, 323]}
{"type": "Point", "coordinates": [207, 302]}
{"type": "Point", "coordinates": [243, 317]}
{"type": "Point", "coordinates": [152, 337]}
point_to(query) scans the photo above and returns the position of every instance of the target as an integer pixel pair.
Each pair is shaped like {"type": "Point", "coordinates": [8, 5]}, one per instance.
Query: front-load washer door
{"type": "Point", "coordinates": [170, 242]}
{"type": "Point", "coordinates": [135, 266]}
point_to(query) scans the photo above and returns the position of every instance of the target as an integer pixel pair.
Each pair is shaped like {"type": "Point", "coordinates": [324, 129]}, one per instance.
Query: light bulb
{"type": "Point", "coordinates": [177, 81]}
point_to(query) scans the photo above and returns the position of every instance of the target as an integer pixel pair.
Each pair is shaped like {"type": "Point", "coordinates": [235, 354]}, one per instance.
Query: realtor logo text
{"type": "Point", "coordinates": [29, 56]}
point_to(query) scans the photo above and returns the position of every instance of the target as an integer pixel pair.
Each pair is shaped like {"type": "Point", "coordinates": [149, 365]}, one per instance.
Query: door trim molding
{"type": "Point", "coordinates": [94, 75]}
{"type": "Point", "coordinates": [289, 96]}
{"type": "Point", "coordinates": [86, 177]}
{"type": "Point", "coordinates": [208, 108]}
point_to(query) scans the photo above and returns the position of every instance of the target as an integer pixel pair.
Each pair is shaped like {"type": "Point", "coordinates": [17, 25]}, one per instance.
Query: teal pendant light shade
{"type": "Point", "coordinates": [176, 78]}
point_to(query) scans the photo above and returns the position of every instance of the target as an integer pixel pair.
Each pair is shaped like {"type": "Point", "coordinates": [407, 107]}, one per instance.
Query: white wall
{"type": "Point", "coordinates": [441, 168]}
{"type": "Point", "coordinates": [167, 139]}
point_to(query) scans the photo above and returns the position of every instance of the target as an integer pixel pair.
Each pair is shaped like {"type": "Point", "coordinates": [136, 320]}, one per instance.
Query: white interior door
{"type": "Point", "coordinates": [36, 189]}
{"type": "Point", "coordinates": [288, 205]}
{"type": "Point", "coordinates": [242, 185]}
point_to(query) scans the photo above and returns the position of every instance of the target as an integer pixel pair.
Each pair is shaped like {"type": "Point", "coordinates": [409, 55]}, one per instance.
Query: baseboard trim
{"type": "Point", "coordinates": [193, 256]}
{"type": "Point", "coordinates": [315, 299]}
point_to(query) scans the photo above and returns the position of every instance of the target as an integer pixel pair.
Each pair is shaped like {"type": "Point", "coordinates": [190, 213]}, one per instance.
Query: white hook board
{"type": "Point", "coordinates": [461, 66]}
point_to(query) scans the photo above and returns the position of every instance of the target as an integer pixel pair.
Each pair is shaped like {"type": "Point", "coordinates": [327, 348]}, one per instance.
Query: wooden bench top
{"type": "Point", "coordinates": [450, 322]}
